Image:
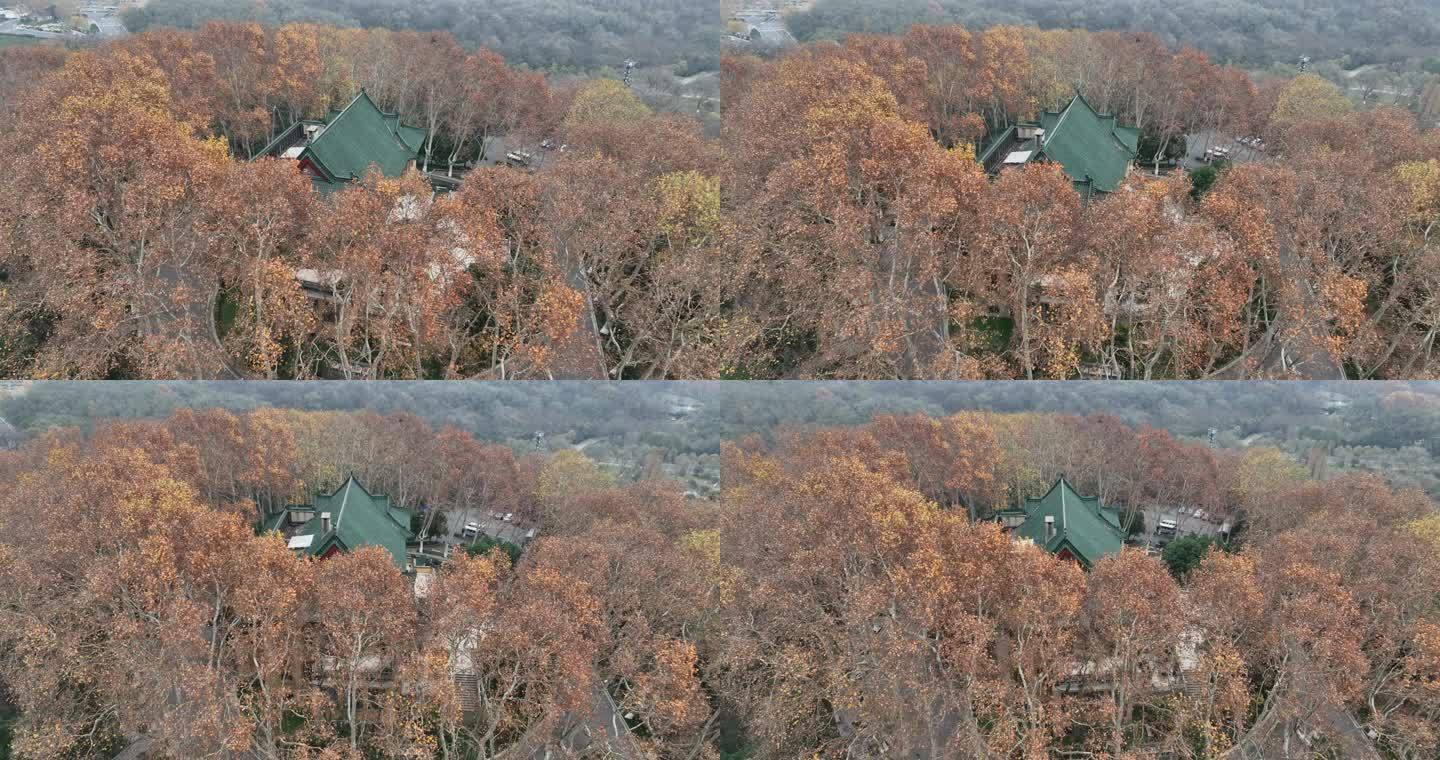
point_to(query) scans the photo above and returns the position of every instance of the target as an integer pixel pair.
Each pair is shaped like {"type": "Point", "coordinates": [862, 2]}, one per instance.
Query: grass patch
{"type": "Point", "coordinates": [994, 332]}
{"type": "Point", "coordinates": [291, 722]}
{"type": "Point", "coordinates": [226, 310]}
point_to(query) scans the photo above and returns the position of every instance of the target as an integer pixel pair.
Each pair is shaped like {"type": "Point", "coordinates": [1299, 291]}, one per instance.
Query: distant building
{"type": "Point", "coordinates": [678, 406]}
{"type": "Point", "coordinates": [763, 29]}
{"type": "Point", "coordinates": [1068, 525]}
{"type": "Point", "coordinates": [344, 521]}
{"type": "Point", "coordinates": [1091, 147]}
{"type": "Point", "coordinates": [343, 147]}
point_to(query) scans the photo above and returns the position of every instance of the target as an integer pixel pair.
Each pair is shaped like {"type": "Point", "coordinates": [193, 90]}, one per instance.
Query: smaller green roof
{"type": "Point", "coordinates": [1000, 139]}
{"type": "Point", "coordinates": [413, 137]}
{"type": "Point", "coordinates": [1084, 526]}
{"type": "Point", "coordinates": [357, 518]}
{"type": "Point", "coordinates": [273, 522]}
{"type": "Point", "coordinates": [1130, 138]}
{"type": "Point", "coordinates": [272, 148]}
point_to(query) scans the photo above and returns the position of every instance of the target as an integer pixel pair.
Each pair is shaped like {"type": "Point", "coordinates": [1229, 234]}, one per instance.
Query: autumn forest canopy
{"type": "Point", "coordinates": [566, 227]}
{"type": "Point", "coordinates": [853, 175]}
{"type": "Point", "coordinates": [846, 592]}
{"type": "Point", "coordinates": [223, 198]}
{"type": "Point", "coordinates": [165, 252]}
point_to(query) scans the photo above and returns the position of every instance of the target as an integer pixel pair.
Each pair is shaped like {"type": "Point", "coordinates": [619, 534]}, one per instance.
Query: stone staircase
{"type": "Point", "coordinates": [467, 686]}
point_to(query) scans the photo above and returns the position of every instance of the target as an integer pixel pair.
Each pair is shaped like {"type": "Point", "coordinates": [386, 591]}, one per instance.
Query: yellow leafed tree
{"type": "Point", "coordinates": [1310, 97]}
{"type": "Point", "coordinates": [605, 100]}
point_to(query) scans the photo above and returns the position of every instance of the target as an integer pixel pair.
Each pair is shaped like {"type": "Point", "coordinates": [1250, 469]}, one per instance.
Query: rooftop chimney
{"type": "Point", "coordinates": [1049, 527]}
{"type": "Point", "coordinates": [325, 523]}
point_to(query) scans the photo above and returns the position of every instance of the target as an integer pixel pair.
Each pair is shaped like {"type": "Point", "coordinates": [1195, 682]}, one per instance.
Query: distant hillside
{"type": "Point", "coordinates": [576, 35]}
{"type": "Point", "coordinates": [727, 410]}
{"type": "Point", "coordinates": [1247, 32]}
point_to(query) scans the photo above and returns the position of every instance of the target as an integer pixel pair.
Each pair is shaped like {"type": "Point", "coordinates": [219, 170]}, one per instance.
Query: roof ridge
{"type": "Point", "coordinates": [1041, 497]}
{"type": "Point", "coordinates": [344, 111]}
{"type": "Point", "coordinates": [1061, 121]}
{"type": "Point", "coordinates": [343, 501]}
{"type": "Point", "coordinates": [362, 487]}
{"type": "Point", "coordinates": [1064, 514]}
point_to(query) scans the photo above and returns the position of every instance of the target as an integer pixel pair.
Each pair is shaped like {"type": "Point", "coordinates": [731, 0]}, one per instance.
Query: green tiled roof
{"type": "Point", "coordinates": [1089, 529]}
{"type": "Point", "coordinates": [1091, 147]}
{"type": "Point", "coordinates": [361, 135]}
{"type": "Point", "coordinates": [358, 518]}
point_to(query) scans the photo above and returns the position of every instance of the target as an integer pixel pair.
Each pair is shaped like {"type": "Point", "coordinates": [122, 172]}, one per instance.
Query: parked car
{"type": "Point", "coordinates": [472, 530]}
{"type": "Point", "coordinates": [1166, 527]}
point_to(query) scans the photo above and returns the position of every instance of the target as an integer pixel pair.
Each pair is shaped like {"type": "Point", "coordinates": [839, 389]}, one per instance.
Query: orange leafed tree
{"type": "Point", "coordinates": [515, 304]}
{"type": "Point", "coordinates": [108, 264]}
{"type": "Point", "coordinates": [1024, 251]}
{"type": "Point", "coordinates": [395, 267]}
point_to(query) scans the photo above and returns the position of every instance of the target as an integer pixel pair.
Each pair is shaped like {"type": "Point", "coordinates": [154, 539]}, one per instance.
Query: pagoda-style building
{"type": "Point", "coordinates": [343, 147]}
{"type": "Point", "coordinates": [1068, 525]}
{"type": "Point", "coordinates": [343, 521]}
{"type": "Point", "coordinates": [1091, 147]}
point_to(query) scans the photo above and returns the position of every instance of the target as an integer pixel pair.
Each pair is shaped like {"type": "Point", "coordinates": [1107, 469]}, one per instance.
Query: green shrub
{"type": "Point", "coordinates": [1184, 554]}
{"type": "Point", "coordinates": [484, 544]}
